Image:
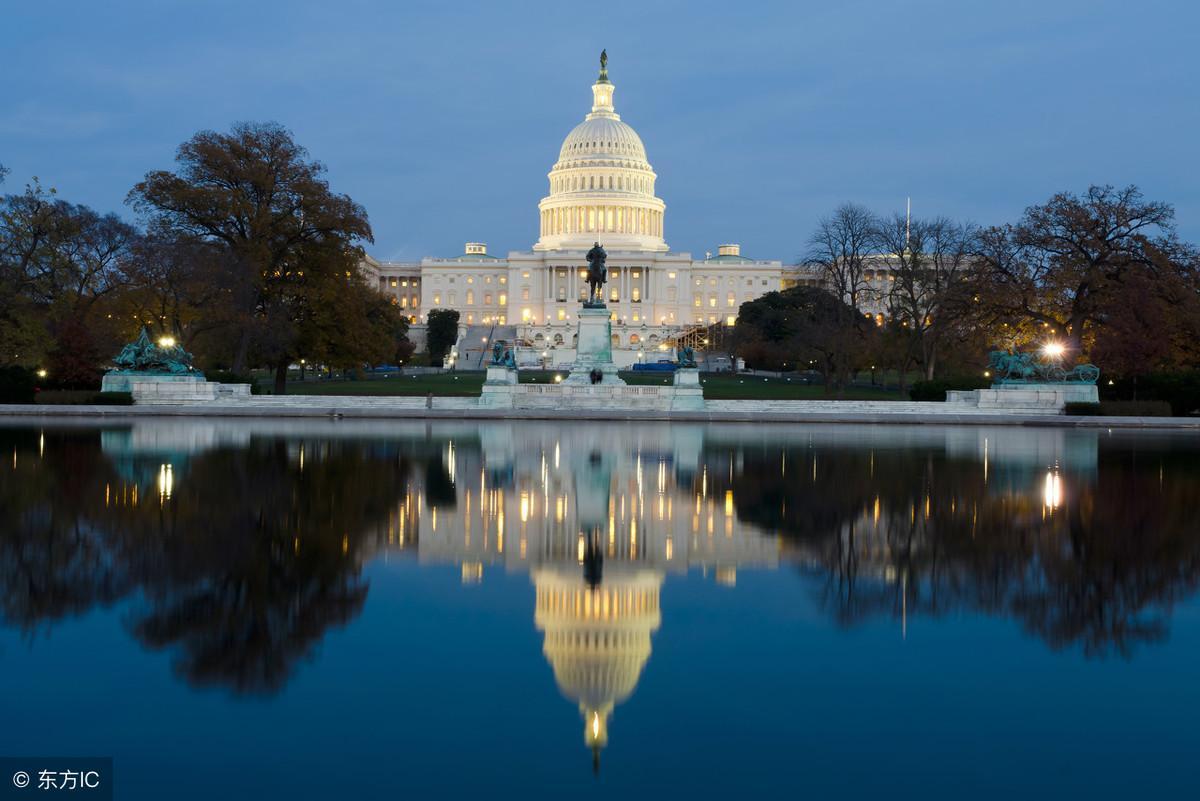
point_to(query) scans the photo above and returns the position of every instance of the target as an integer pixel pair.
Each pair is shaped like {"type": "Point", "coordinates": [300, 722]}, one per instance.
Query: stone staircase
{"type": "Point", "coordinates": [473, 352]}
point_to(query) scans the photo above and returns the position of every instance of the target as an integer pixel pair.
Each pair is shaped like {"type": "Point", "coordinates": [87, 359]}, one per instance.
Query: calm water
{"type": "Point", "coordinates": [394, 610]}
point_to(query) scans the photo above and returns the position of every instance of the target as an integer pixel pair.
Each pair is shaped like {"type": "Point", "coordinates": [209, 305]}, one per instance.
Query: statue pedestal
{"type": "Point", "coordinates": [172, 388]}
{"type": "Point", "coordinates": [1031, 397]}
{"type": "Point", "coordinates": [498, 387]}
{"type": "Point", "coordinates": [500, 374]}
{"type": "Point", "coordinates": [689, 395]}
{"type": "Point", "coordinates": [593, 350]}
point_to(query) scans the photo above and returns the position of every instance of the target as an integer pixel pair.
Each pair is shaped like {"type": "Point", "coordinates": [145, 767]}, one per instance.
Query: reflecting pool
{"type": "Point", "coordinates": [302, 609]}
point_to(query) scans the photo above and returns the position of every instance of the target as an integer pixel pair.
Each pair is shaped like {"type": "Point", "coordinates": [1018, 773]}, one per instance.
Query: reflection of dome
{"type": "Point", "coordinates": [597, 640]}
{"type": "Point", "coordinates": [602, 186]}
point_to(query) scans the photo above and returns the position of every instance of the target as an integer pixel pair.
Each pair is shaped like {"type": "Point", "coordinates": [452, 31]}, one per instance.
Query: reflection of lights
{"type": "Point", "coordinates": [1052, 491]}
{"type": "Point", "coordinates": [166, 481]}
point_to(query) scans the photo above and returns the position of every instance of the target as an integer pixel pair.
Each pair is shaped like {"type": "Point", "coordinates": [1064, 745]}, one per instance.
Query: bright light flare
{"type": "Point", "coordinates": [1054, 350]}
{"type": "Point", "coordinates": [166, 342]}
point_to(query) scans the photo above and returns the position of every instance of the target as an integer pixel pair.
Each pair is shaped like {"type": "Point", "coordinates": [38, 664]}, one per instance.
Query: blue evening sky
{"type": "Point", "coordinates": [443, 118]}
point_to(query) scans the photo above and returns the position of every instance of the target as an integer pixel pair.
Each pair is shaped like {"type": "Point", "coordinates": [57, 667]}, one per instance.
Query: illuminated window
{"type": "Point", "coordinates": [730, 320]}
{"type": "Point", "coordinates": [394, 282]}
{"type": "Point", "coordinates": [562, 314]}
{"type": "Point", "coordinates": [470, 319]}
{"type": "Point", "coordinates": [634, 339]}
{"type": "Point", "coordinates": [730, 300]}
{"type": "Point", "coordinates": [470, 297]}
{"type": "Point", "coordinates": [712, 301]}
{"type": "Point", "coordinates": [636, 317]}
{"type": "Point", "coordinates": [404, 303]}
{"type": "Point", "coordinates": [671, 276]}
{"type": "Point", "coordinates": [487, 279]}
{"type": "Point", "coordinates": [697, 301]}
{"type": "Point", "coordinates": [614, 295]}
{"type": "Point", "coordinates": [404, 282]}
{"type": "Point", "coordinates": [503, 298]}
{"type": "Point", "coordinates": [636, 294]}
{"type": "Point", "coordinates": [526, 315]}
{"type": "Point", "coordinates": [437, 299]}
{"type": "Point", "coordinates": [504, 279]}
{"type": "Point", "coordinates": [525, 274]}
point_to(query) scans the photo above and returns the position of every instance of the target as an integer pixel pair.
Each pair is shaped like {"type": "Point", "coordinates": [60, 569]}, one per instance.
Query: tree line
{"type": "Point", "coordinates": [242, 253]}
{"type": "Point", "coordinates": [1104, 274]}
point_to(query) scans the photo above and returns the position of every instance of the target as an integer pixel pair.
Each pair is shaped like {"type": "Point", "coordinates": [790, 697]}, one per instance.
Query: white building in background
{"type": "Point", "coordinates": [602, 188]}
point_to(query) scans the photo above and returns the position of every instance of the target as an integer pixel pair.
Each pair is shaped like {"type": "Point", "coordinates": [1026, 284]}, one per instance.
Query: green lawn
{"type": "Point", "coordinates": [716, 386]}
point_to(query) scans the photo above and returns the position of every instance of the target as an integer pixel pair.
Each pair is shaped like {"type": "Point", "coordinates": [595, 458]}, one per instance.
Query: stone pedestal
{"type": "Point", "coordinates": [689, 395]}
{"type": "Point", "coordinates": [593, 351]}
{"type": "Point", "coordinates": [172, 388]}
{"type": "Point", "coordinates": [1048, 398]}
{"type": "Point", "coordinates": [498, 387]}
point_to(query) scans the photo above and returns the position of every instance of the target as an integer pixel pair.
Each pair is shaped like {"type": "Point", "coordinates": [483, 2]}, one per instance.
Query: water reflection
{"type": "Point", "coordinates": [237, 547]}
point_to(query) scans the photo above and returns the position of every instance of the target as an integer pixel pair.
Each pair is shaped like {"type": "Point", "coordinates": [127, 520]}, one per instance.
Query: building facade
{"type": "Point", "coordinates": [602, 188]}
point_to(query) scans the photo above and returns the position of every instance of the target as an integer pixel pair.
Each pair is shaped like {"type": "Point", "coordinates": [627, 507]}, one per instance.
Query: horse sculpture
{"type": "Point", "coordinates": [1017, 368]}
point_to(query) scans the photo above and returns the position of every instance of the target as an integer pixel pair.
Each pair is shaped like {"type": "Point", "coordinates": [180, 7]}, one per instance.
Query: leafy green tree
{"type": "Point", "coordinates": [805, 326]}
{"type": "Point", "coordinates": [441, 333]}
{"type": "Point", "coordinates": [255, 192]}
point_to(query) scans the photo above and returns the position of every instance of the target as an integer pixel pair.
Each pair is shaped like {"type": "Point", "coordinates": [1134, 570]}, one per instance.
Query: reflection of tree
{"type": "Point", "coordinates": [919, 532]}
{"type": "Point", "coordinates": [241, 572]}
{"type": "Point", "coordinates": [53, 560]}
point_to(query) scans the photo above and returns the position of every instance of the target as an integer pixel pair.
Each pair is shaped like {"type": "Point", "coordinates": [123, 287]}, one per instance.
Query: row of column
{"type": "Point", "coordinates": [575, 284]}
{"type": "Point", "coordinates": [602, 219]}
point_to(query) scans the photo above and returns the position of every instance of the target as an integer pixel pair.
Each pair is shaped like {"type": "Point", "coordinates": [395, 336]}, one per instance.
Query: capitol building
{"type": "Point", "coordinates": [602, 188]}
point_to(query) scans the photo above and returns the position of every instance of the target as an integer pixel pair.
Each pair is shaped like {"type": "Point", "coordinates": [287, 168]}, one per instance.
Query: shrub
{"type": "Point", "coordinates": [936, 390]}
{"type": "Point", "coordinates": [17, 385]}
{"type": "Point", "coordinates": [1181, 389]}
{"type": "Point", "coordinates": [230, 377]}
{"type": "Point", "coordinates": [1119, 409]}
{"type": "Point", "coordinates": [113, 399]}
{"type": "Point", "coordinates": [83, 397]}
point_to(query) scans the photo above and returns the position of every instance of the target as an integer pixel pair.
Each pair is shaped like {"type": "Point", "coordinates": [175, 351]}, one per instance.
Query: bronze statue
{"type": "Point", "coordinates": [144, 356]}
{"type": "Point", "coordinates": [502, 355]}
{"type": "Point", "coordinates": [604, 59]}
{"type": "Point", "coordinates": [685, 356]}
{"type": "Point", "coordinates": [597, 277]}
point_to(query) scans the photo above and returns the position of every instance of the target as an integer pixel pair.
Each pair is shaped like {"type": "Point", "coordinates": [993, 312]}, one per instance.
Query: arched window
{"type": "Point", "coordinates": [634, 339]}
{"type": "Point", "coordinates": [558, 339]}
{"type": "Point", "coordinates": [616, 341]}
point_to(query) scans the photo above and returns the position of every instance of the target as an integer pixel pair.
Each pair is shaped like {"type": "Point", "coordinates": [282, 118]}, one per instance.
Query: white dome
{"type": "Point", "coordinates": [602, 188]}
{"type": "Point", "coordinates": [605, 138]}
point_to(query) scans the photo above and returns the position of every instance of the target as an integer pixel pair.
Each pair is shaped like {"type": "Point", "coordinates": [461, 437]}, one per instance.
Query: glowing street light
{"type": "Point", "coordinates": [1054, 350]}
{"type": "Point", "coordinates": [166, 343]}
{"type": "Point", "coordinates": [42, 373]}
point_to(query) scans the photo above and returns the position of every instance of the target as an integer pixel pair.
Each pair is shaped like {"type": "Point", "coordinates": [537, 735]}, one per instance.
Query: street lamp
{"type": "Point", "coordinates": [1054, 350]}
{"type": "Point", "coordinates": [166, 342]}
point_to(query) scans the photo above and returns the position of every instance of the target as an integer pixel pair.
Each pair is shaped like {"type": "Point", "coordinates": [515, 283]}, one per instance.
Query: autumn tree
{"type": "Point", "coordinates": [1069, 260]}
{"type": "Point", "coordinates": [60, 263]}
{"type": "Point", "coordinates": [255, 192]}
